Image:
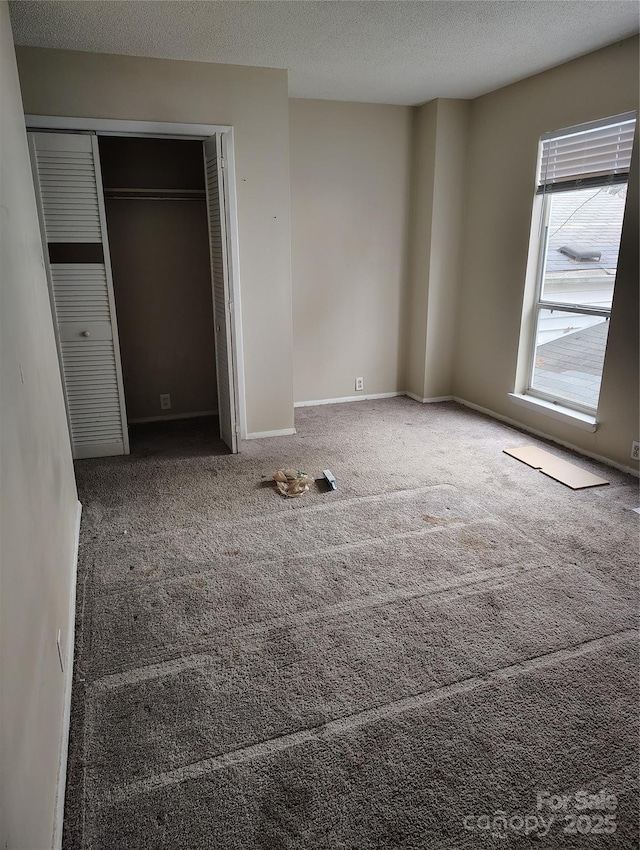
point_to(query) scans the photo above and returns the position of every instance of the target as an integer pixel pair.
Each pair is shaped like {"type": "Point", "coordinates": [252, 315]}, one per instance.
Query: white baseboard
{"type": "Point", "coordinates": [433, 400]}
{"type": "Point", "coordinates": [513, 422]}
{"type": "Point", "coordinates": [68, 680]}
{"type": "Point", "coordinates": [546, 436]}
{"type": "Point", "coordinates": [173, 416]}
{"type": "Point", "coordinates": [370, 397]}
{"type": "Point", "coordinates": [259, 435]}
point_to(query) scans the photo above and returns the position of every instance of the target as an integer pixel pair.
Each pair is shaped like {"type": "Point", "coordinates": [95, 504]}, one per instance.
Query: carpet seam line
{"type": "Point", "coordinates": [495, 580]}
{"type": "Point", "coordinates": [358, 719]}
{"type": "Point", "coordinates": [305, 510]}
{"type": "Point", "coordinates": [124, 586]}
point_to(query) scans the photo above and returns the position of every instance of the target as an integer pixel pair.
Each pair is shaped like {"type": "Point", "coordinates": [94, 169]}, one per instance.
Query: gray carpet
{"type": "Point", "coordinates": [387, 666]}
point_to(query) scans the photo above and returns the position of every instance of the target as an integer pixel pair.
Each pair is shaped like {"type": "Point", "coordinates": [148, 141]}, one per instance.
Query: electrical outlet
{"type": "Point", "coordinates": [59, 645]}
{"type": "Point", "coordinates": [165, 401]}
{"type": "Point", "coordinates": [635, 450]}
{"type": "Point", "coordinates": [359, 384]}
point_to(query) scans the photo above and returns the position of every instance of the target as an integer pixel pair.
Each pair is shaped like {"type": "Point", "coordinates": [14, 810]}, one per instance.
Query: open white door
{"type": "Point", "coordinates": [66, 171]}
{"type": "Point", "coordinates": [222, 302]}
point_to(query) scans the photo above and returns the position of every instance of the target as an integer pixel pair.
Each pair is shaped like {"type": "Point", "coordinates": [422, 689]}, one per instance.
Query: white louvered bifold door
{"type": "Point", "coordinates": [68, 187]}
{"type": "Point", "coordinates": [222, 302]}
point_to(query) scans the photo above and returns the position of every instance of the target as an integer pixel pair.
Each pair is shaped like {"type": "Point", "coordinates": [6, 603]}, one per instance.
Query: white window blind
{"type": "Point", "coordinates": [590, 154]}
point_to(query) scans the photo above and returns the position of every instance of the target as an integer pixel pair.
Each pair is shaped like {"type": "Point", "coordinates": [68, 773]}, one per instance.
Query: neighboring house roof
{"type": "Point", "coordinates": [591, 218]}
{"type": "Point", "coordinates": [571, 366]}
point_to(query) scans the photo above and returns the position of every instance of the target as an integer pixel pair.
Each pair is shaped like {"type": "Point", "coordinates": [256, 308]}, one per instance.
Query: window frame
{"type": "Point", "coordinates": [542, 200]}
{"type": "Point", "coordinates": [541, 303]}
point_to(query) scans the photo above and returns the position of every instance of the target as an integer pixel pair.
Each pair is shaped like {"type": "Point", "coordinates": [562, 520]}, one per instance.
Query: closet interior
{"type": "Point", "coordinates": [156, 217]}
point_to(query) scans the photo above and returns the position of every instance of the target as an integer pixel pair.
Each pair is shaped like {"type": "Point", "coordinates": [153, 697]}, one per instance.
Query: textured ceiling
{"type": "Point", "coordinates": [385, 52]}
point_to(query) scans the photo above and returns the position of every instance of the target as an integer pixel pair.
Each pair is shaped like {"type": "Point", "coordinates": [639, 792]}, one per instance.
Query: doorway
{"type": "Point", "coordinates": [141, 297]}
{"type": "Point", "coordinates": [156, 215]}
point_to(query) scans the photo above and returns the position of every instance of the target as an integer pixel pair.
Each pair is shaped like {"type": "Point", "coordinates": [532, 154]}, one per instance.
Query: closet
{"type": "Point", "coordinates": [156, 215]}
{"type": "Point", "coordinates": [135, 242]}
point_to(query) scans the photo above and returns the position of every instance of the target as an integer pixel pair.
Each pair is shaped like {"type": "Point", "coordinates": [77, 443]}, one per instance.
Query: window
{"type": "Point", "coordinates": [582, 188]}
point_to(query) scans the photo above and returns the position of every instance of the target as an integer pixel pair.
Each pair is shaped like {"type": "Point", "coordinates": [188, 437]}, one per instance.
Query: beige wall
{"type": "Point", "coordinates": [38, 506]}
{"type": "Point", "coordinates": [423, 164]}
{"type": "Point", "coordinates": [254, 101]}
{"type": "Point", "coordinates": [162, 284]}
{"type": "Point", "coordinates": [449, 193]}
{"type": "Point", "coordinates": [438, 199]}
{"type": "Point", "coordinates": [619, 410]}
{"type": "Point", "coordinates": [503, 143]}
{"type": "Point", "coordinates": [350, 167]}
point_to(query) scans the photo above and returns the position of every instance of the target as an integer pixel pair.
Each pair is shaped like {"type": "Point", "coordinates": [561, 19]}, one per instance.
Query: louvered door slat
{"type": "Point", "coordinates": [67, 172]}
{"type": "Point", "coordinates": [65, 165]}
{"type": "Point", "coordinates": [92, 398]}
{"type": "Point", "coordinates": [221, 293]}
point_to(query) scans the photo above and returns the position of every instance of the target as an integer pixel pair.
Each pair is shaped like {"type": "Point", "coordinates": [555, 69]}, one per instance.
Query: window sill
{"type": "Point", "coordinates": [564, 414]}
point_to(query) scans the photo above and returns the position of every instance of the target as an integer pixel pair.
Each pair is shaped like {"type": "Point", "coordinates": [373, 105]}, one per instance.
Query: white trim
{"type": "Point", "coordinates": [433, 400]}
{"type": "Point", "coordinates": [117, 127]}
{"type": "Point", "coordinates": [58, 819]}
{"type": "Point", "coordinates": [106, 259]}
{"type": "Point", "coordinates": [173, 416]}
{"type": "Point", "coordinates": [372, 397]}
{"type": "Point", "coordinates": [216, 191]}
{"type": "Point", "coordinates": [514, 423]}
{"type": "Point", "coordinates": [231, 208]}
{"type": "Point", "coordinates": [259, 435]}
{"type": "Point", "coordinates": [575, 129]}
{"type": "Point", "coordinates": [346, 398]}
{"type": "Point", "coordinates": [165, 130]}
{"type": "Point", "coordinates": [556, 411]}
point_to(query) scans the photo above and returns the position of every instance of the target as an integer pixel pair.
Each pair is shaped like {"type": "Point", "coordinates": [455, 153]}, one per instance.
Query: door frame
{"type": "Point", "coordinates": [196, 132]}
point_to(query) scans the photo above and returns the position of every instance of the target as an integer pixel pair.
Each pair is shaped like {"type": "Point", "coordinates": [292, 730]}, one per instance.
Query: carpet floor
{"type": "Point", "coordinates": [440, 654]}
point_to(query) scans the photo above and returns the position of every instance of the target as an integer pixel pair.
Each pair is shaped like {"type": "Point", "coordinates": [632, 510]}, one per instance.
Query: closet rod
{"type": "Point", "coordinates": [117, 197]}
{"type": "Point", "coordinates": [156, 194]}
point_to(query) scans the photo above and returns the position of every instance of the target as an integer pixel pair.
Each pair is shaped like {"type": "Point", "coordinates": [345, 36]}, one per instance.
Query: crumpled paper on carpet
{"type": "Point", "coordinates": [292, 482]}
